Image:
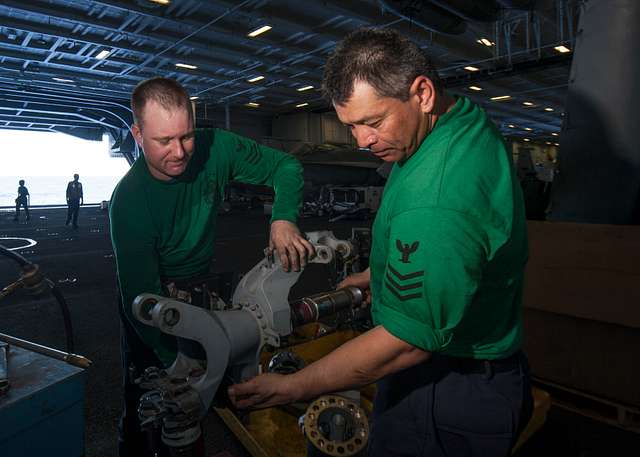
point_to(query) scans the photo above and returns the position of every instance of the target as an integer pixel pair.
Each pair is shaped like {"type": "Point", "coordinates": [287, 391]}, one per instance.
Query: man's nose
{"type": "Point", "coordinates": [178, 149]}
{"type": "Point", "coordinates": [365, 137]}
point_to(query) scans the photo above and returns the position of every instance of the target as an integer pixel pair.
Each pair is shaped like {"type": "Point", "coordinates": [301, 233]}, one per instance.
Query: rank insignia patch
{"type": "Point", "coordinates": [404, 286]}
{"type": "Point", "coordinates": [406, 250]}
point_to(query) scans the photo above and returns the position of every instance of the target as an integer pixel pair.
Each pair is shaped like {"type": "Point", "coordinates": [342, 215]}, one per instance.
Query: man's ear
{"type": "Point", "coordinates": [423, 89]}
{"type": "Point", "coordinates": [137, 134]}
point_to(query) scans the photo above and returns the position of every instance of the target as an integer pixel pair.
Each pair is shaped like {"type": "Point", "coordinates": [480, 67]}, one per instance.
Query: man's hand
{"type": "Point", "coordinates": [362, 281]}
{"type": "Point", "coordinates": [292, 248]}
{"type": "Point", "coordinates": [263, 391]}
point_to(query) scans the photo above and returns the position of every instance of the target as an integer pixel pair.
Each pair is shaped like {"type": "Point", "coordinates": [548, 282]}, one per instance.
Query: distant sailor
{"type": "Point", "coordinates": [22, 200]}
{"type": "Point", "coordinates": [74, 200]}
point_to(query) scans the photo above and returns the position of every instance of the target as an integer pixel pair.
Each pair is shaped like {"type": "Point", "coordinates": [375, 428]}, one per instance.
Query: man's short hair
{"type": "Point", "coordinates": [382, 58]}
{"type": "Point", "coordinates": [167, 92]}
{"type": "Point", "coordinates": [76, 175]}
{"type": "Point", "coordinates": [21, 182]}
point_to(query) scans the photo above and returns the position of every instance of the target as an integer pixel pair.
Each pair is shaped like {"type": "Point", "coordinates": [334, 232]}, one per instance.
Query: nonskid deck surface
{"type": "Point", "coordinates": [81, 263]}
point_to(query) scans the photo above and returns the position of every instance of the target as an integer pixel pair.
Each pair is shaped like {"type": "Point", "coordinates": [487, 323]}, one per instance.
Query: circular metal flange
{"type": "Point", "coordinates": [322, 409]}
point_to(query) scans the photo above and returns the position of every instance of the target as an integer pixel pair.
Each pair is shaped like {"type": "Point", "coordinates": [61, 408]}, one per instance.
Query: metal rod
{"type": "Point", "coordinates": [72, 359]}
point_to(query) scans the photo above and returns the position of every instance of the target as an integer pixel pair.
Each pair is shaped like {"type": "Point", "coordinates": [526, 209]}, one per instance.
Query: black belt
{"type": "Point", "coordinates": [467, 365]}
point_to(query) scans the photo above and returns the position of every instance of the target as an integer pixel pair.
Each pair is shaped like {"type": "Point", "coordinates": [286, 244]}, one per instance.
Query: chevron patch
{"type": "Point", "coordinates": [404, 286]}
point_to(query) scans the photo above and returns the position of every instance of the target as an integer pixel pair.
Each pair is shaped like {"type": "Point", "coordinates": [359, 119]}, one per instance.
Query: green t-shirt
{"type": "Point", "coordinates": [450, 242]}
{"type": "Point", "coordinates": [166, 229]}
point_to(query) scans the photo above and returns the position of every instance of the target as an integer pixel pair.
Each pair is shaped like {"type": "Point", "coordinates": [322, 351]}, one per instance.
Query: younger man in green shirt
{"type": "Point", "coordinates": [163, 218]}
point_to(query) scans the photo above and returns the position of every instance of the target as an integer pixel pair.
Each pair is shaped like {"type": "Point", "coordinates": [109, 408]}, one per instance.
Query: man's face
{"type": "Point", "coordinates": [167, 139]}
{"type": "Point", "coordinates": [390, 127]}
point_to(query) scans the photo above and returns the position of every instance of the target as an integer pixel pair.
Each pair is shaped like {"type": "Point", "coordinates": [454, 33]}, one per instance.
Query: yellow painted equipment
{"type": "Point", "coordinates": [275, 432]}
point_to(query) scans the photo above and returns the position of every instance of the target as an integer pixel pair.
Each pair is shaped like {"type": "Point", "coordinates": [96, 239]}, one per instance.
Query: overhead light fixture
{"type": "Point", "coordinates": [485, 41]}
{"type": "Point", "coordinates": [527, 139]}
{"type": "Point", "coordinates": [562, 49]}
{"type": "Point", "coordinates": [528, 129]}
{"type": "Point", "coordinates": [194, 97]}
{"type": "Point", "coordinates": [63, 80]}
{"type": "Point", "coordinates": [554, 134]}
{"type": "Point", "coordinates": [300, 105]}
{"type": "Point", "coordinates": [511, 126]}
{"type": "Point", "coordinates": [548, 109]}
{"type": "Point", "coordinates": [187, 66]}
{"type": "Point", "coordinates": [499, 98]}
{"type": "Point", "coordinates": [103, 54]}
{"type": "Point", "coordinates": [161, 2]}
{"type": "Point", "coordinates": [476, 88]}
{"type": "Point", "coordinates": [556, 144]}
{"type": "Point", "coordinates": [252, 104]}
{"type": "Point", "coordinates": [548, 143]}
{"type": "Point", "coordinates": [258, 31]}
{"type": "Point", "coordinates": [471, 68]}
{"type": "Point", "coordinates": [255, 78]}
{"type": "Point", "coordinates": [527, 103]}
{"type": "Point", "coordinates": [302, 89]}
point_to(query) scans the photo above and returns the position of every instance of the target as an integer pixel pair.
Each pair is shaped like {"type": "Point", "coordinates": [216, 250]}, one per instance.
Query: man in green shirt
{"type": "Point", "coordinates": [163, 218]}
{"type": "Point", "coordinates": [446, 271]}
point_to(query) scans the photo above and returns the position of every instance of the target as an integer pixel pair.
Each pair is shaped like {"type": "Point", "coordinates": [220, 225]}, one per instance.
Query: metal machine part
{"type": "Point", "coordinates": [336, 426]}
{"type": "Point", "coordinates": [232, 338]}
{"type": "Point", "coordinates": [264, 290]}
{"type": "Point", "coordinates": [310, 309]}
{"type": "Point", "coordinates": [285, 362]}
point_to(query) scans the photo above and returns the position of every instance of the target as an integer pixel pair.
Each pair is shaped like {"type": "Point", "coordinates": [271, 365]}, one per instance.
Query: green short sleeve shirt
{"type": "Point", "coordinates": [450, 242]}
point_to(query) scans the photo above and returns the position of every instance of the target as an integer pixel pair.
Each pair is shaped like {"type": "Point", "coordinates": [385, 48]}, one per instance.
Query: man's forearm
{"type": "Point", "coordinates": [357, 363]}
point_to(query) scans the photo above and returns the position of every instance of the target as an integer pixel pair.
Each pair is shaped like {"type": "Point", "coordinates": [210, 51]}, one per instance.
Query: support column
{"type": "Point", "coordinates": [599, 160]}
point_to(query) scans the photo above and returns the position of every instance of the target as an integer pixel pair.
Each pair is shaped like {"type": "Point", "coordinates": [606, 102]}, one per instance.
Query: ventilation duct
{"type": "Point", "coordinates": [426, 15]}
{"type": "Point", "coordinates": [484, 11]}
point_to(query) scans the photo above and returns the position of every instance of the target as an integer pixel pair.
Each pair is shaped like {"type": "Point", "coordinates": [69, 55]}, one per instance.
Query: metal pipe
{"type": "Point", "coordinates": [310, 309]}
{"type": "Point", "coordinates": [72, 359]}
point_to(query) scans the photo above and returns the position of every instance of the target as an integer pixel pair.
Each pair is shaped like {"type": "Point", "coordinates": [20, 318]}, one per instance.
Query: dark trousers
{"type": "Point", "coordinates": [22, 203]}
{"type": "Point", "coordinates": [73, 208]}
{"type": "Point", "coordinates": [452, 407]}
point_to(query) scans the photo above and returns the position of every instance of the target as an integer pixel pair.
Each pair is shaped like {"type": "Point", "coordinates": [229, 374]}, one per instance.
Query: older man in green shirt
{"type": "Point", "coordinates": [163, 218]}
{"type": "Point", "coordinates": [447, 263]}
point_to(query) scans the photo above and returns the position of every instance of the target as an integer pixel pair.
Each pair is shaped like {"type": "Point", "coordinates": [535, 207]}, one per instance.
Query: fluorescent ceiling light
{"type": "Point", "coordinates": [548, 143]}
{"type": "Point", "coordinates": [186, 65]}
{"type": "Point", "coordinates": [475, 88]}
{"type": "Point", "coordinates": [471, 68]}
{"type": "Point", "coordinates": [103, 54]}
{"type": "Point", "coordinates": [501, 97]}
{"type": "Point", "coordinates": [485, 41]}
{"type": "Point", "coordinates": [302, 89]}
{"type": "Point", "coordinates": [527, 139]}
{"type": "Point", "coordinates": [252, 104]}
{"type": "Point", "coordinates": [256, 32]}
{"type": "Point", "coordinates": [554, 134]}
{"type": "Point", "coordinates": [548, 109]}
{"type": "Point", "coordinates": [255, 78]}
{"type": "Point", "coordinates": [527, 103]}
{"type": "Point", "coordinates": [562, 49]}
{"type": "Point", "coordinates": [528, 129]}
{"type": "Point", "coordinates": [301, 105]}
{"type": "Point", "coordinates": [194, 97]}
{"type": "Point", "coordinates": [511, 126]}
{"type": "Point", "coordinates": [63, 80]}
{"type": "Point", "coordinates": [161, 2]}
{"type": "Point", "coordinates": [556, 144]}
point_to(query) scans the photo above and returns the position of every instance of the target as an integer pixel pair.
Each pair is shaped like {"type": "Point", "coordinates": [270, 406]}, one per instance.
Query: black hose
{"type": "Point", "coordinates": [66, 316]}
{"type": "Point", "coordinates": [64, 308]}
{"type": "Point", "coordinates": [14, 255]}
